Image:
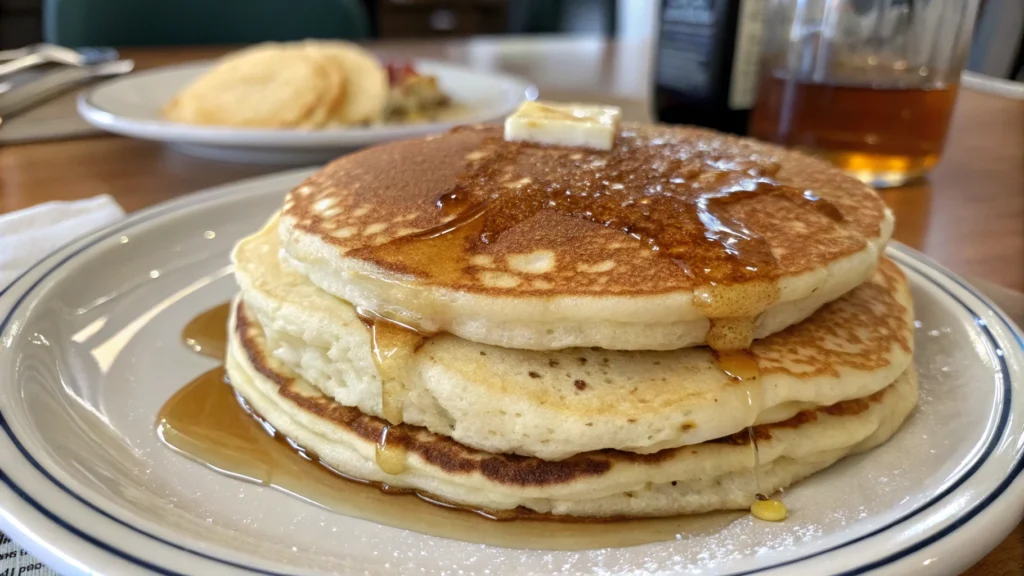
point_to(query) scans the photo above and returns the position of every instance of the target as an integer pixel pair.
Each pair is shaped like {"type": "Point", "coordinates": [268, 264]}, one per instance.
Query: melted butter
{"type": "Point", "coordinates": [205, 422]}
{"type": "Point", "coordinates": [206, 334]}
{"type": "Point", "coordinates": [680, 205]}
{"type": "Point", "coordinates": [393, 345]}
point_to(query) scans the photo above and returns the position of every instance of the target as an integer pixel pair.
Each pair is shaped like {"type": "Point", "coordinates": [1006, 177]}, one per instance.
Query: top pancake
{"type": "Point", "coordinates": [543, 247]}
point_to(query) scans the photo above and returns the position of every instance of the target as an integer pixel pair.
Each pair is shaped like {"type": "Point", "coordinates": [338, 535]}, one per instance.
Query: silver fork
{"type": "Point", "coordinates": [37, 54]}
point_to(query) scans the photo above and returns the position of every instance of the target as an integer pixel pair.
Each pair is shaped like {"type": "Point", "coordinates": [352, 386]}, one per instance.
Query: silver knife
{"type": "Point", "coordinates": [32, 94]}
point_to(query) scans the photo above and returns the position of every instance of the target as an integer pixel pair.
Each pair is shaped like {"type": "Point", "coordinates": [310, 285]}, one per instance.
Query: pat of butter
{"type": "Point", "coordinates": [577, 125]}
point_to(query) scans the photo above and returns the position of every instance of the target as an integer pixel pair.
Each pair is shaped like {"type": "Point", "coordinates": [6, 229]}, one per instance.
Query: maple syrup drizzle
{"type": "Point", "coordinates": [207, 421]}
{"type": "Point", "coordinates": [393, 344]}
{"type": "Point", "coordinates": [757, 463]}
{"type": "Point", "coordinates": [763, 507]}
{"type": "Point", "coordinates": [454, 203]}
{"type": "Point", "coordinates": [678, 203]}
{"type": "Point", "coordinates": [390, 454]}
{"type": "Point", "coordinates": [742, 367]}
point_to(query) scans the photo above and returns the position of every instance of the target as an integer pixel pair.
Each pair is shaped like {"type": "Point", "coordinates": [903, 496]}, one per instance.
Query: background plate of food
{"type": "Point", "coordinates": [297, 102]}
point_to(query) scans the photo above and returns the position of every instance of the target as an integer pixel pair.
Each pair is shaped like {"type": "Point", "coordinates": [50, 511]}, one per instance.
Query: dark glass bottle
{"type": "Point", "coordinates": [706, 62]}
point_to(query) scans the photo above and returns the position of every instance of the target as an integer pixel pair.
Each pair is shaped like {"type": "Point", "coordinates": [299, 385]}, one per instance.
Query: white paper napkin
{"type": "Point", "coordinates": [28, 235]}
{"type": "Point", "coordinates": [17, 562]}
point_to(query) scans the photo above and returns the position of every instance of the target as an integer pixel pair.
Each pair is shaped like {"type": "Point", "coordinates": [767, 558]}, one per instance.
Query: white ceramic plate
{"type": "Point", "coordinates": [90, 352]}
{"type": "Point", "coordinates": [131, 106]}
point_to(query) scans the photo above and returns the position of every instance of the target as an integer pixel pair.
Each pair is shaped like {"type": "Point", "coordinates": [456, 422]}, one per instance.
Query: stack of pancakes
{"type": "Point", "coordinates": [512, 326]}
{"type": "Point", "coordinates": [308, 85]}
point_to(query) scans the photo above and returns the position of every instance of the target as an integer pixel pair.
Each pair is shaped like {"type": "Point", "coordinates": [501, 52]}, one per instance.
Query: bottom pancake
{"type": "Point", "coordinates": [715, 475]}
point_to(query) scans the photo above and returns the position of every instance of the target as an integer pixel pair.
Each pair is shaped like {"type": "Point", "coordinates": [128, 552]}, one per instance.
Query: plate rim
{"type": "Point", "coordinates": [167, 131]}
{"type": "Point", "coordinates": [101, 552]}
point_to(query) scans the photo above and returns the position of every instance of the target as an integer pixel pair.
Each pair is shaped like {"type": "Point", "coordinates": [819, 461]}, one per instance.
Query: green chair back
{"type": "Point", "coordinates": [199, 22]}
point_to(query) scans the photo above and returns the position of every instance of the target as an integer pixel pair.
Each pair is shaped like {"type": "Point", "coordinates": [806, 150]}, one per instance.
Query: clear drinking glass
{"type": "Point", "coordinates": [868, 84]}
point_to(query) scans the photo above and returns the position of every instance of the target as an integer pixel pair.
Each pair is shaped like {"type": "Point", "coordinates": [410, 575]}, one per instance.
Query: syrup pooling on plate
{"type": "Point", "coordinates": [392, 344]}
{"type": "Point", "coordinates": [206, 334]}
{"type": "Point", "coordinates": [679, 204]}
{"type": "Point", "coordinates": [206, 422]}
{"type": "Point", "coordinates": [209, 423]}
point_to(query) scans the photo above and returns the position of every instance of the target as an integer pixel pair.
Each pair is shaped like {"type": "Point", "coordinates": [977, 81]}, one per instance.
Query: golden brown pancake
{"type": "Point", "coordinates": [691, 479]}
{"type": "Point", "coordinates": [529, 246]}
{"type": "Point", "coordinates": [556, 403]}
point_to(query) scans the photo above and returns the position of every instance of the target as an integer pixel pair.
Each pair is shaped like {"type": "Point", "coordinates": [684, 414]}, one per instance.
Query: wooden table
{"type": "Point", "coordinates": [968, 215]}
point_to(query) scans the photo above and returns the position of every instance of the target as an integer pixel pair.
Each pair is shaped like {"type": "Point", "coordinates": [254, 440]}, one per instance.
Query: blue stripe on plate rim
{"type": "Point", "coordinates": [906, 257]}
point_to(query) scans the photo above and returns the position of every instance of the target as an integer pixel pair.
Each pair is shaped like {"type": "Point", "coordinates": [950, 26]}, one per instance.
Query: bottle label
{"type": "Point", "coordinates": [686, 46]}
{"type": "Point", "coordinates": [747, 53]}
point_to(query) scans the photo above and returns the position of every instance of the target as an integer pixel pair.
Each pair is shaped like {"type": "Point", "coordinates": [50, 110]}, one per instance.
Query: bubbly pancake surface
{"type": "Point", "coordinates": [554, 404]}
{"type": "Point", "coordinates": [543, 247]}
{"type": "Point", "coordinates": [710, 476]}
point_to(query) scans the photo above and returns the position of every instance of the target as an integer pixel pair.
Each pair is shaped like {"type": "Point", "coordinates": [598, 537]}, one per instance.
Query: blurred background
{"type": "Point", "coordinates": [996, 48]}
{"type": "Point", "coordinates": [872, 85]}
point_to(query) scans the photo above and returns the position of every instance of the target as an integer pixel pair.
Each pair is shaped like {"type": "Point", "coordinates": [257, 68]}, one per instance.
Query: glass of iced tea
{"type": "Point", "coordinates": [868, 84]}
